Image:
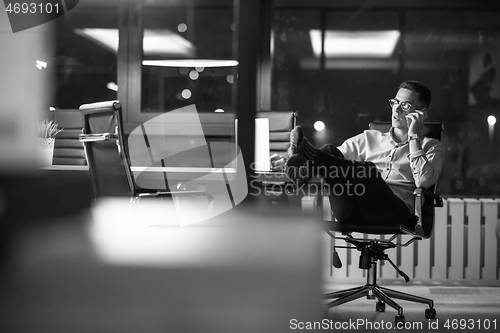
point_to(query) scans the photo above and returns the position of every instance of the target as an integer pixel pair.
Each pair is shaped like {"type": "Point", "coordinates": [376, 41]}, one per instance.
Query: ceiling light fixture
{"type": "Point", "coordinates": [162, 42]}
{"type": "Point", "coordinates": [355, 44]}
{"type": "Point", "coordinates": [157, 43]}
{"type": "Point", "coordinates": [191, 63]}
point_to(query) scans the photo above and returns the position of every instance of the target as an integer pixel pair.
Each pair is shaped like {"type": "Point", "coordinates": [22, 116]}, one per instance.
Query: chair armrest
{"type": "Point", "coordinates": [438, 201]}
{"type": "Point", "coordinates": [418, 193]}
{"type": "Point", "coordinates": [177, 193]}
{"type": "Point", "coordinates": [96, 137]}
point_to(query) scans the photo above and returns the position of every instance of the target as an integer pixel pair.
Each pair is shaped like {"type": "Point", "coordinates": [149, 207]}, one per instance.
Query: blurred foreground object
{"type": "Point", "coordinates": [24, 91]}
{"type": "Point", "coordinates": [125, 268]}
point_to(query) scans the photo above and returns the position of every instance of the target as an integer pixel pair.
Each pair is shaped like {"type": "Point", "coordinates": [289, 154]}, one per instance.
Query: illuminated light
{"type": "Point", "coordinates": [200, 69]}
{"type": "Point", "coordinates": [491, 128]}
{"type": "Point", "coordinates": [219, 110]}
{"type": "Point", "coordinates": [182, 27]}
{"type": "Point", "coordinates": [186, 94]}
{"type": "Point", "coordinates": [357, 44]}
{"type": "Point", "coordinates": [112, 86]}
{"type": "Point", "coordinates": [319, 126]}
{"type": "Point", "coordinates": [193, 75]}
{"type": "Point", "coordinates": [51, 108]}
{"type": "Point", "coordinates": [191, 63]}
{"type": "Point", "coordinates": [230, 78]}
{"type": "Point", "coordinates": [352, 63]}
{"type": "Point", "coordinates": [41, 64]}
{"type": "Point", "coordinates": [158, 42]}
{"type": "Point", "coordinates": [492, 120]}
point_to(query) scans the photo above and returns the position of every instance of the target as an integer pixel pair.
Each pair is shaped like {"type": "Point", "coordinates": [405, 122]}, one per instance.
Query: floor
{"type": "Point", "coordinates": [462, 306]}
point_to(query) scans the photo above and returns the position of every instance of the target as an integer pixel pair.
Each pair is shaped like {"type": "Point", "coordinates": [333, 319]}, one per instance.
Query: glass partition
{"type": "Point", "coordinates": [334, 62]}
{"type": "Point", "coordinates": [187, 56]}
{"type": "Point", "coordinates": [339, 66]}
{"type": "Point", "coordinates": [84, 65]}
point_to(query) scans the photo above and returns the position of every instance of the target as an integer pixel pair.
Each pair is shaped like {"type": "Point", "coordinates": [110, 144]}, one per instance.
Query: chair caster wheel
{"type": "Point", "coordinates": [400, 319]}
{"type": "Point", "coordinates": [430, 313]}
{"type": "Point", "coordinates": [380, 307]}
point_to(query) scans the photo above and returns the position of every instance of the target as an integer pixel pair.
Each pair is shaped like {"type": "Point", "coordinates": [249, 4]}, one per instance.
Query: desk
{"type": "Point", "coordinates": [178, 173]}
{"type": "Point", "coordinates": [268, 176]}
{"type": "Point", "coordinates": [279, 189]}
{"type": "Point", "coordinates": [188, 173]}
{"type": "Point", "coordinates": [46, 193]}
{"type": "Point", "coordinates": [269, 185]}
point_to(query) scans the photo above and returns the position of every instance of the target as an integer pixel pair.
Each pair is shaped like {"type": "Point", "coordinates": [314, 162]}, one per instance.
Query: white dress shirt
{"type": "Point", "coordinates": [402, 171]}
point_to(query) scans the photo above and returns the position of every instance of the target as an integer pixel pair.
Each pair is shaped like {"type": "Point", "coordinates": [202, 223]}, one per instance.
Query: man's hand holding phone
{"type": "Point", "coordinates": [415, 121]}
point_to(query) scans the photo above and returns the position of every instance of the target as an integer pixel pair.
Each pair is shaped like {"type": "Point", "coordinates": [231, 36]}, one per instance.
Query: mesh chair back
{"type": "Point", "coordinates": [68, 150]}
{"type": "Point", "coordinates": [280, 125]}
{"type": "Point", "coordinates": [432, 130]}
{"type": "Point", "coordinates": [103, 144]}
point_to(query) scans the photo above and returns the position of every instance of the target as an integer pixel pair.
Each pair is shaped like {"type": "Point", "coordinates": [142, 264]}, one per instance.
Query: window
{"type": "Point", "coordinates": [84, 63]}
{"type": "Point", "coordinates": [345, 85]}
{"type": "Point", "coordinates": [187, 56]}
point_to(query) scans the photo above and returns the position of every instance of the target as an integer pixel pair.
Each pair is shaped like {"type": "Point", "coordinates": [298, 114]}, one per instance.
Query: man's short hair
{"type": "Point", "coordinates": [424, 94]}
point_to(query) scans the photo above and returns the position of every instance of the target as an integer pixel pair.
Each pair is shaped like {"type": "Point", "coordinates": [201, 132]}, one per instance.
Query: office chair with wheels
{"type": "Point", "coordinates": [107, 155]}
{"type": "Point", "coordinates": [373, 249]}
{"type": "Point", "coordinates": [280, 125]}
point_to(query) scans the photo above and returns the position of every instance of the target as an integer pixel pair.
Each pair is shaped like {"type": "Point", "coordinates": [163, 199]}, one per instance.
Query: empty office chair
{"type": "Point", "coordinates": [280, 125]}
{"type": "Point", "coordinates": [373, 248]}
{"type": "Point", "coordinates": [68, 150]}
{"type": "Point", "coordinates": [107, 156]}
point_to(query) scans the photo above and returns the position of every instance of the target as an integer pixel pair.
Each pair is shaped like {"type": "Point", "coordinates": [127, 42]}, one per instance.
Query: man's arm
{"type": "Point", "coordinates": [426, 156]}
{"type": "Point", "coordinates": [426, 161]}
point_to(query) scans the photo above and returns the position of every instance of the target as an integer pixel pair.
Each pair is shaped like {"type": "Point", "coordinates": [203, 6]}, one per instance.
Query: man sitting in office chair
{"type": "Point", "coordinates": [373, 175]}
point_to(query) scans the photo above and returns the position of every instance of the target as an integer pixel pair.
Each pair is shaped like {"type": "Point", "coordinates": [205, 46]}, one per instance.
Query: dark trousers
{"type": "Point", "coordinates": [357, 191]}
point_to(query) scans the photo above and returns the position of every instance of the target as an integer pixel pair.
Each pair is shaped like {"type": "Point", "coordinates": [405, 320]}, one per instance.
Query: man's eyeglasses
{"type": "Point", "coordinates": [405, 106]}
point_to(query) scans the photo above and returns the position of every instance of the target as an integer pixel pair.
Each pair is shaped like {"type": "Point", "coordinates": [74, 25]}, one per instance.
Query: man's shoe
{"type": "Point", "coordinates": [296, 138]}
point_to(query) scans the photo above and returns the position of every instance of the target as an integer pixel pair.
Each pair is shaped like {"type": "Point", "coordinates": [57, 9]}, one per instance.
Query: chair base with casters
{"type": "Point", "coordinates": [372, 251]}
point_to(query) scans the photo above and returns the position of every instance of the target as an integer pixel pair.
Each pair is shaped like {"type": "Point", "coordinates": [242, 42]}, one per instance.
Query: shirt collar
{"type": "Point", "coordinates": [391, 134]}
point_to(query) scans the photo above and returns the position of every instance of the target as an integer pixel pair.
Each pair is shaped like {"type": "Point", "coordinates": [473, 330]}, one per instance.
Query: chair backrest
{"type": "Point", "coordinates": [280, 125]}
{"type": "Point", "coordinates": [103, 143]}
{"type": "Point", "coordinates": [68, 150]}
{"type": "Point", "coordinates": [432, 130]}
